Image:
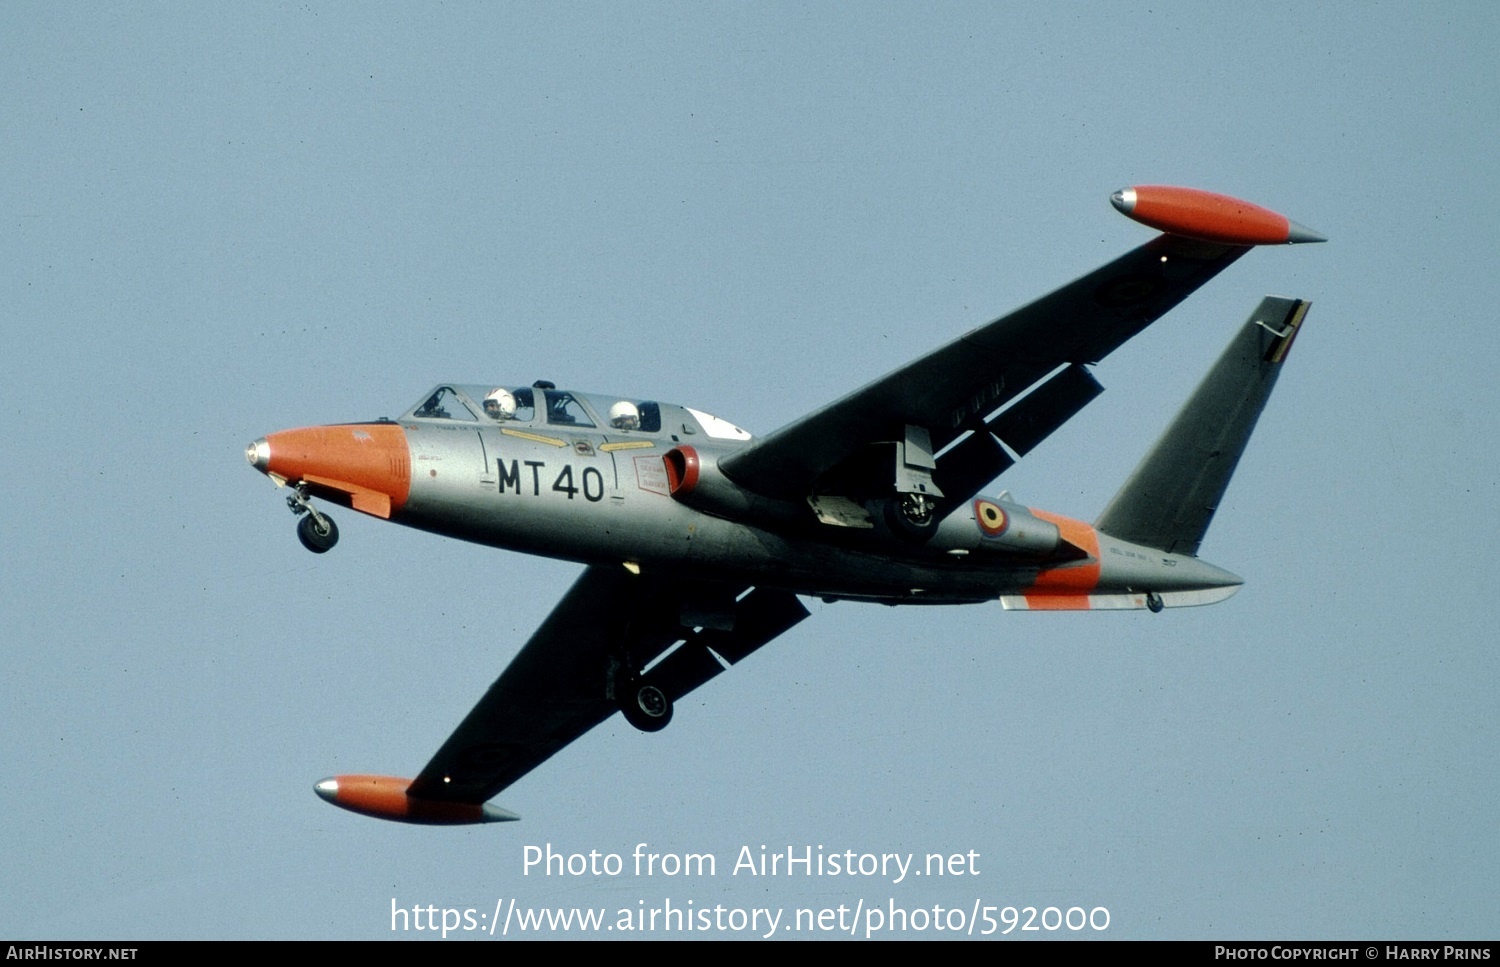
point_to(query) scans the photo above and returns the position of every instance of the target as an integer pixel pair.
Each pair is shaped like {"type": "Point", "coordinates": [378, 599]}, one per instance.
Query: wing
{"type": "Point", "coordinates": [568, 677]}
{"type": "Point", "coordinates": [953, 391]}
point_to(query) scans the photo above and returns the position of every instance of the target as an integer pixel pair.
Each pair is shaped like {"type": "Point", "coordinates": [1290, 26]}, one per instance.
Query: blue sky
{"type": "Point", "coordinates": [224, 221]}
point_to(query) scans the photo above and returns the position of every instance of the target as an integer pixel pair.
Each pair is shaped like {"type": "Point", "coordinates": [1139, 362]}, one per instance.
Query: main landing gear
{"type": "Point", "coordinates": [645, 706]}
{"type": "Point", "coordinates": [316, 531]}
{"type": "Point", "coordinates": [913, 517]}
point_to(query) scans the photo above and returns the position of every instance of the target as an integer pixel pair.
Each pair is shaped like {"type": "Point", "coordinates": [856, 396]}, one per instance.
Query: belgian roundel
{"type": "Point", "coordinates": [991, 518]}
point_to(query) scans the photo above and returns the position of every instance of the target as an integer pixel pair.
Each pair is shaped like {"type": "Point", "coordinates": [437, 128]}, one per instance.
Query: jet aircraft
{"type": "Point", "coordinates": [698, 539]}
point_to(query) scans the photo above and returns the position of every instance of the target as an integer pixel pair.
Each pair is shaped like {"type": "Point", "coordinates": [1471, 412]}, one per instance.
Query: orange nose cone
{"type": "Point", "coordinates": [366, 466]}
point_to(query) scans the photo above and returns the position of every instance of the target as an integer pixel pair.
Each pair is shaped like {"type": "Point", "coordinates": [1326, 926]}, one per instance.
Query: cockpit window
{"type": "Point", "coordinates": [632, 415]}
{"type": "Point", "coordinates": [717, 428]}
{"type": "Point", "coordinates": [501, 405]}
{"type": "Point", "coordinates": [525, 404]}
{"type": "Point", "coordinates": [445, 404]}
{"type": "Point", "coordinates": [565, 410]}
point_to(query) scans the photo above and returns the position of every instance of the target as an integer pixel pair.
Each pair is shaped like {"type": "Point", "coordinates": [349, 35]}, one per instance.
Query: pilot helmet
{"type": "Point", "coordinates": [500, 404]}
{"type": "Point", "coordinates": [624, 415]}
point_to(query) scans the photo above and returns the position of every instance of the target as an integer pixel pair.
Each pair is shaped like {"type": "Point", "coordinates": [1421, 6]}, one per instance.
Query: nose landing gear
{"type": "Point", "coordinates": [316, 531]}
{"type": "Point", "coordinates": [317, 534]}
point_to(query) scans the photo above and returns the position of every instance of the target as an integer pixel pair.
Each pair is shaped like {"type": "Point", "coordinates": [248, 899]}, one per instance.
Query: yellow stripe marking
{"type": "Point", "coordinates": [627, 445]}
{"type": "Point", "coordinates": [534, 437]}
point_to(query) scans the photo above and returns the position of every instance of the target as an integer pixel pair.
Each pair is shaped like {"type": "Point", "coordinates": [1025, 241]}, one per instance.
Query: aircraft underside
{"type": "Point", "coordinates": [698, 539]}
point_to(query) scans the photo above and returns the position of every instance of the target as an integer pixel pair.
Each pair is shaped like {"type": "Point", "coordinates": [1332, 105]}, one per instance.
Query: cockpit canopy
{"type": "Point", "coordinates": [542, 404]}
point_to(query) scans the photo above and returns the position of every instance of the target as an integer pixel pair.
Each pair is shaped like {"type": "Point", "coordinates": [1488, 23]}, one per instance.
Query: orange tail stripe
{"type": "Point", "coordinates": [1077, 578]}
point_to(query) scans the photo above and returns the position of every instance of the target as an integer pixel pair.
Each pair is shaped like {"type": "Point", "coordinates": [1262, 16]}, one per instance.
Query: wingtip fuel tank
{"type": "Point", "coordinates": [385, 797]}
{"type": "Point", "coordinates": [1209, 216]}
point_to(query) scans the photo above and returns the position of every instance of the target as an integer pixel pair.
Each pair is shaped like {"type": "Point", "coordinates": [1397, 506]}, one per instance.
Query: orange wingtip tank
{"type": "Point", "coordinates": [384, 797]}
{"type": "Point", "coordinates": [1208, 216]}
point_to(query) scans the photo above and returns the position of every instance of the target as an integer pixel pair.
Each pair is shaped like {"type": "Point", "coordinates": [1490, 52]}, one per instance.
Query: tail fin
{"type": "Point", "coordinates": [1170, 499]}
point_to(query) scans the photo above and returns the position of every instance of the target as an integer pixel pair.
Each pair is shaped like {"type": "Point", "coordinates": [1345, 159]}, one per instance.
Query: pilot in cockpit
{"type": "Point", "coordinates": [500, 404]}
{"type": "Point", "coordinates": [624, 415]}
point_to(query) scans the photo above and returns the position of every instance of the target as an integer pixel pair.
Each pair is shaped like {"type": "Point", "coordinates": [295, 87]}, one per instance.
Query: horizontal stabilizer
{"type": "Point", "coordinates": [1170, 499]}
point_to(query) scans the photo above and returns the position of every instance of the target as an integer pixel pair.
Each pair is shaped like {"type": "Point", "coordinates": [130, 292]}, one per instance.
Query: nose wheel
{"type": "Point", "coordinates": [317, 534]}
{"type": "Point", "coordinates": [315, 530]}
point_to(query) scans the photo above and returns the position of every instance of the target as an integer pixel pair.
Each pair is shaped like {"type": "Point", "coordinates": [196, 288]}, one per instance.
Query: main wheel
{"type": "Point", "coordinates": [912, 517]}
{"type": "Point", "coordinates": [317, 537]}
{"type": "Point", "coordinates": [646, 707]}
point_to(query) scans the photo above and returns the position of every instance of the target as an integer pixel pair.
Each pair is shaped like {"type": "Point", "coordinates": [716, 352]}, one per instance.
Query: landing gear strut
{"type": "Point", "coordinates": [316, 531]}
{"type": "Point", "coordinates": [646, 707]}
